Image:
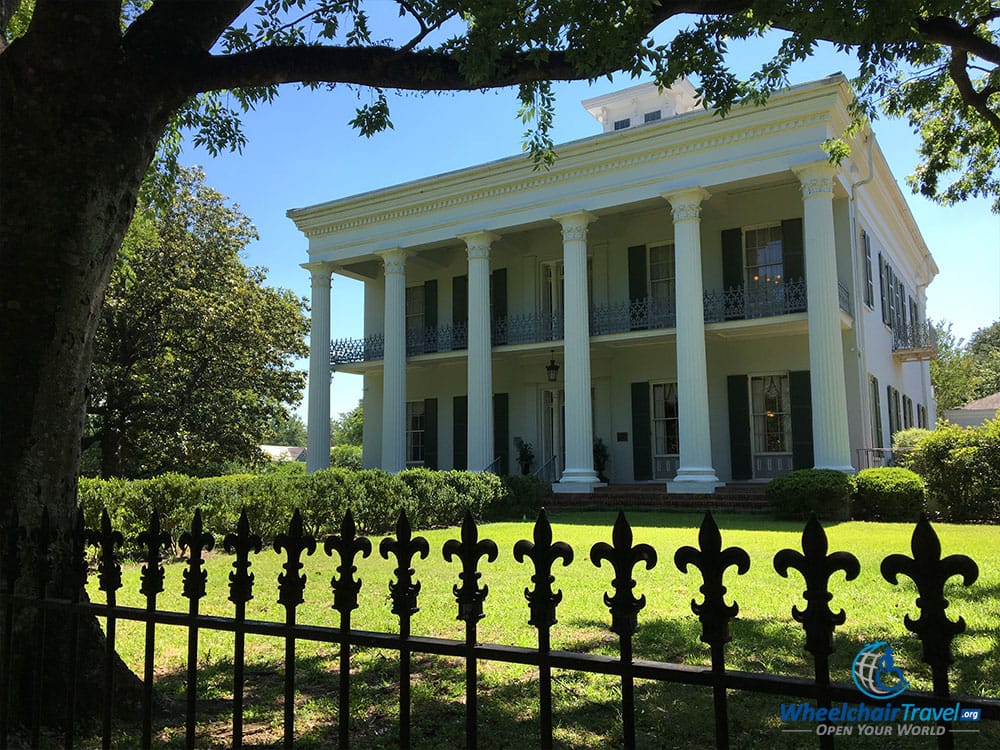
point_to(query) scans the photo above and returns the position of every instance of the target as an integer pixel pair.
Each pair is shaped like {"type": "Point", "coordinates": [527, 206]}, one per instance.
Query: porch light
{"type": "Point", "coordinates": [552, 369]}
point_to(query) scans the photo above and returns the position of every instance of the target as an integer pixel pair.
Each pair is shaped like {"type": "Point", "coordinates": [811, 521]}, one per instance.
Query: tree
{"type": "Point", "coordinates": [194, 354]}
{"type": "Point", "coordinates": [347, 429]}
{"type": "Point", "coordinates": [89, 89]}
{"type": "Point", "coordinates": [984, 348]}
{"type": "Point", "coordinates": [290, 430]}
{"type": "Point", "coordinates": [953, 372]}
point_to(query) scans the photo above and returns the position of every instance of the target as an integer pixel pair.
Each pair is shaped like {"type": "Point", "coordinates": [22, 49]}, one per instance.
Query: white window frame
{"type": "Point", "coordinates": [748, 278]}
{"type": "Point", "coordinates": [666, 420]}
{"type": "Point", "coordinates": [415, 433]}
{"type": "Point", "coordinates": [759, 438]}
{"type": "Point", "coordinates": [670, 279]}
{"type": "Point", "coordinates": [415, 318]}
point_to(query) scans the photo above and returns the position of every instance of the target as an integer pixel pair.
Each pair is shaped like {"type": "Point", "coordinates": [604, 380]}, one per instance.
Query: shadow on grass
{"type": "Point", "coordinates": [669, 519]}
{"type": "Point", "coordinates": [587, 707]}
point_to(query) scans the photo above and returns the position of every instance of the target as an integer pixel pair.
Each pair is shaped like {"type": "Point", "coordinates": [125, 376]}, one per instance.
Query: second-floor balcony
{"type": "Point", "coordinates": [644, 314]}
{"type": "Point", "coordinates": [914, 341]}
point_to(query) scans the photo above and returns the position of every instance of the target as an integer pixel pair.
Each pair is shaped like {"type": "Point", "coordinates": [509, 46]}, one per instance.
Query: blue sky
{"type": "Point", "coordinates": [301, 151]}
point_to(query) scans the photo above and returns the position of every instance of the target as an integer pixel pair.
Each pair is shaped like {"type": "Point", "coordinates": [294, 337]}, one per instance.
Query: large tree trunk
{"type": "Point", "coordinates": [79, 130]}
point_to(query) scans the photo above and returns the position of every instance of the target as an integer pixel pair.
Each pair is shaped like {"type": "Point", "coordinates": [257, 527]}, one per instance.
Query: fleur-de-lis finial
{"type": "Point", "coordinates": [624, 606]}
{"type": "Point", "coordinates": [197, 541]}
{"type": "Point", "coordinates": [929, 572]}
{"type": "Point", "coordinates": [243, 542]}
{"type": "Point", "coordinates": [405, 590]}
{"type": "Point", "coordinates": [712, 560]}
{"type": "Point", "coordinates": [543, 552]}
{"type": "Point", "coordinates": [292, 585]}
{"type": "Point", "coordinates": [348, 545]}
{"type": "Point", "coordinates": [153, 540]}
{"type": "Point", "coordinates": [107, 540]}
{"type": "Point", "coordinates": [469, 550]}
{"type": "Point", "coordinates": [816, 567]}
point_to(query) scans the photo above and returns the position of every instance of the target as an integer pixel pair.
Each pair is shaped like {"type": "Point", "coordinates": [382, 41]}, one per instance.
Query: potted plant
{"type": "Point", "coordinates": [525, 456]}
{"type": "Point", "coordinates": [601, 458]}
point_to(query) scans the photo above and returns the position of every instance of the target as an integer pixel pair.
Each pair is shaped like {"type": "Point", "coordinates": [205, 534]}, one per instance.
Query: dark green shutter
{"type": "Point", "coordinates": [431, 433]}
{"type": "Point", "coordinates": [430, 315]}
{"type": "Point", "coordinates": [642, 448]}
{"type": "Point", "coordinates": [732, 258]}
{"type": "Point", "coordinates": [638, 287]}
{"type": "Point", "coordinates": [498, 304]}
{"type": "Point", "coordinates": [793, 257]}
{"type": "Point", "coordinates": [881, 284]}
{"type": "Point", "coordinates": [741, 458]}
{"type": "Point", "coordinates": [800, 396]}
{"type": "Point", "coordinates": [459, 306]}
{"type": "Point", "coordinates": [501, 431]}
{"type": "Point", "coordinates": [460, 432]}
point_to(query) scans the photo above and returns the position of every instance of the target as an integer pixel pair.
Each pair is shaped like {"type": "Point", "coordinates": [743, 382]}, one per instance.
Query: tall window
{"type": "Point", "coordinates": [414, 433]}
{"type": "Point", "coordinates": [895, 411]}
{"type": "Point", "coordinates": [921, 416]}
{"type": "Point", "coordinates": [662, 284]}
{"type": "Point", "coordinates": [764, 256]}
{"type": "Point", "coordinates": [772, 424]}
{"type": "Point", "coordinates": [876, 411]}
{"type": "Point", "coordinates": [666, 440]}
{"type": "Point", "coordinates": [866, 243]}
{"type": "Point", "coordinates": [907, 412]}
{"type": "Point", "coordinates": [414, 308]}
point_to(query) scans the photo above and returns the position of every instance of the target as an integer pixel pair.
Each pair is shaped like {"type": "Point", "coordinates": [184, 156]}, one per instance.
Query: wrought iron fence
{"type": "Point", "coordinates": [710, 560]}
{"type": "Point", "coordinates": [874, 458]}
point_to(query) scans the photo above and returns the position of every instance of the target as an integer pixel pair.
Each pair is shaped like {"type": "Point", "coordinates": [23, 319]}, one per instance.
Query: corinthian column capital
{"type": "Point", "coordinates": [478, 244]}
{"type": "Point", "coordinates": [816, 179]}
{"type": "Point", "coordinates": [574, 225]}
{"type": "Point", "coordinates": [686, 203]}
{"type": "Point", "coordinates": [394, 260]}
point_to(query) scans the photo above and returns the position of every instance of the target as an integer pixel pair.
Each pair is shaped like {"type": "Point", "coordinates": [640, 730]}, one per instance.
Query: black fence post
{"type": "Point", "coordinates": [291, 588]}
{"type": "Point", "coordinates": [817, 618]}
{"type": "Point", "coordinates": [404, 605]}
{"type": "Point", "coordinates": [929, 572]}
{"type": "Point", "coordinates": [195, 578]}
{"type": "Point", "coordinates": [151, 576]}
{"type": "Point", "coordinates": [713, 612]}
{"type": "Point", "coordinates": [243, 542]}
{"type": "Point", "coordinates": [345, 600]}
{"type": "Point", "coordinates": [469, 597]}
{"type": "Point", "coordinates": [542, 603]}
{"type": "Point", "coordinates": [76, 569]}
{"type": "Point", "coordinates": [624, 607]}
{"type": "Point", "coordinates": [109, 580]}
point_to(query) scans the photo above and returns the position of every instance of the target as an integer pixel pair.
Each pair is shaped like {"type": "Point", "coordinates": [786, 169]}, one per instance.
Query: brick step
{"type": "Point", "coordinates": [679, 501]}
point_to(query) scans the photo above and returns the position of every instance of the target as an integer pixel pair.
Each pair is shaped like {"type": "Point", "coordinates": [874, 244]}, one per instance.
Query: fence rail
{"type": "Point", "coordinates": [710, 559]}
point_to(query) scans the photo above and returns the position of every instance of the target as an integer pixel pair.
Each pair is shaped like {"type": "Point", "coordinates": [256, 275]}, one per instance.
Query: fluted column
{"type": "Point", "coordinates": [831, 439]}
{"type": "Point", "coordinates": [318, 439]}
{"type": "Point", "coordinates": [695, 473]}
{"type": "Point", "coordinates": [394, 361]}
{"type": "Point", "coordinates": [579, 475]}
{"type": "Point", "coordinates": [480, 352]}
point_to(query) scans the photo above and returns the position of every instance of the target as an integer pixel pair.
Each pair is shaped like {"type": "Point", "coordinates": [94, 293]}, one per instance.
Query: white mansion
{"type": "Point", "coordinates": [710, 297]}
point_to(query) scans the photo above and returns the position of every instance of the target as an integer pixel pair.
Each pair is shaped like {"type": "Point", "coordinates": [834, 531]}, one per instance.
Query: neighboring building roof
{"type": "Point", "coordinates": [282, 452]}
{"type": "Point", "coordinates": [987, 402]}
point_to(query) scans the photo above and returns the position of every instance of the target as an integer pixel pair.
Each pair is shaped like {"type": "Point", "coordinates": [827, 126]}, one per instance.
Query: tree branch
{"type": "Point", "coordinates": [975, 99]}
{"type": "Point", "coordinates": [950, 33]}
{"type": "Point", "coordinates": [185, 24]}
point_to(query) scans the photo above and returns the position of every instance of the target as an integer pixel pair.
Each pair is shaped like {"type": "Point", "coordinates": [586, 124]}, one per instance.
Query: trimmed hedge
{"type": "Point", "coordinates": [825, 491]}
{"type": "Point", "coordinates": [887, 494]}
{"type": "Point", "coordinates": [375, 497]}
{"type": "Point", "coordinates": [961, 466]}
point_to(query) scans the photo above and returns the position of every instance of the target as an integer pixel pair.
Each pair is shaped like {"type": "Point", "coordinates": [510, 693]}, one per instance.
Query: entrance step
{"type": "Point", "coordinates": [737, 496]}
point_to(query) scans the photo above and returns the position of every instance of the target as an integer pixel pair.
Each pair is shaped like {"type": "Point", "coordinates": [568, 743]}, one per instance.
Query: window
{"type": "Point", "coordinates": [921, 416]}
{"type": "Point", "coordinates": [764, 256]}
{"type": "Point", "coordinates": [900, 306]}
{"type": "Point", "coordinates": [881, 283]}
{"type": "Point", "coordinates": [866, 243]}
{"type": "Point", "coordinates": [914, 316]}
{"type": "Point", "coordinates": [414, 308]}
{"type": "Point", "coordinates": [665, 433]}
{"type": "Point", "coordinates": [622, 124]}
{"type": "Point", "coordinates": [895, 412]}
{"type": "Point", "coordinates": [662, 285]}
{"type": "Point", "coordinates": [651, 116]}
{"type": "Point", "coordinates": [415, 433]}
{"type": "Point", "coordinates": [876, 411]}
{"type": "Point", "coordinates": [907, 412]}
{"type": "Point", "coordinates": [772, 424]}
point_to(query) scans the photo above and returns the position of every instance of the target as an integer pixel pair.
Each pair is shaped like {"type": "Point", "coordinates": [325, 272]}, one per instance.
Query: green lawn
{"type": "Point", "coordinates": [587, 714]}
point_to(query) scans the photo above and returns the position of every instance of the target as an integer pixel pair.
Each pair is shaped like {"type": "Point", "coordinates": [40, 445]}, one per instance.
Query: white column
{"type": "Point", "coordinates": [394, 362]}
{"type": "Point", "coordinates": [695, 473]}
{"type": "Point", "coordinates": [579, 475]}
{"type": "Point", "coordinates": [480, 352]}
{"type": "Point", "coordinates": [318, 441]}
{"type": "Point", "coordinates": [831, 439]}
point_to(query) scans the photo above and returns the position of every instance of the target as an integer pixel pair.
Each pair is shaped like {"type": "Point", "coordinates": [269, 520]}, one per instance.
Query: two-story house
{"type": "Point", "coordinates": [710, 297]}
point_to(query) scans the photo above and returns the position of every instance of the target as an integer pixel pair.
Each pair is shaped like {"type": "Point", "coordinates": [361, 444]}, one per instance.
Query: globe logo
{"type": "Point", "coordinates": [875, 674]}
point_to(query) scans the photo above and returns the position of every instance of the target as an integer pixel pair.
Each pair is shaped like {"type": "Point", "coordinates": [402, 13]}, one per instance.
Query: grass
{"type": "Point", "coordinates": [587, 710]}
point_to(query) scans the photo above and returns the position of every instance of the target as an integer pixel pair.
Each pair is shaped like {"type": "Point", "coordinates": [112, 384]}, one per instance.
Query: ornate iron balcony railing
{"type": "Point", "coordinates": [645, 314]}
{"type": "Point", "coordinates": [914, 341]}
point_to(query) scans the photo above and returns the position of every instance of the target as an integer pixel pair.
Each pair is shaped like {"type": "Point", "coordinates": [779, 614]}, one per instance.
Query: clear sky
{"type": "Point", "coordinates": [301, 151]}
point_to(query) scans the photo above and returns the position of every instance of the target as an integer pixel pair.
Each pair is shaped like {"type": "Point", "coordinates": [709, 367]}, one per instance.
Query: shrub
{"type": "Point", "coordinates": [961, 466]}
{"type": "Point", "coordinates": [887, 494]}
{"type": "Point", "coordinates": [345, 457]}
{"type": "Point", "coordinates": [523, 497]}
{"type": "Point", "coordinates": [825, 491]}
